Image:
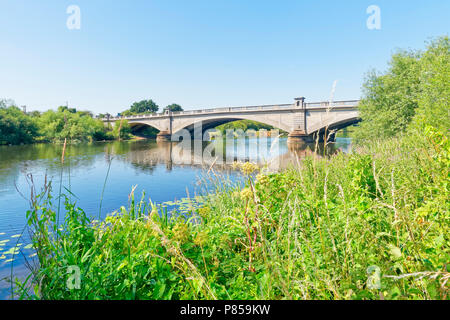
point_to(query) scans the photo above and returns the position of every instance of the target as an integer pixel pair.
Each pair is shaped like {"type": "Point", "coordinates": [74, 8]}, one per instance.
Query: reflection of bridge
{"type": "Point", "coordinates": [301, 120]}
{"type": "Point", "coordinates": [208, 154]}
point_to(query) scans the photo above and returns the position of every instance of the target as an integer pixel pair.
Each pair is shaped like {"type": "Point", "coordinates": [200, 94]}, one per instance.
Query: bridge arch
{"type": "Point", "coordinates": [137, 128]}
{"type": "Point", "coordinates": [337, 125]}
{"type": "Point", "coordinates": [142, 124]}
{"type": "Point", "coordinates": [214, 121]}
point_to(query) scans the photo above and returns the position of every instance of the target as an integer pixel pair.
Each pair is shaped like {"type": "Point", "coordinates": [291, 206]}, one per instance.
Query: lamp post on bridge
{"type": "Point", "coordinates": [299, 134]}
{"type": "Point", "coordinates": [300, 102]}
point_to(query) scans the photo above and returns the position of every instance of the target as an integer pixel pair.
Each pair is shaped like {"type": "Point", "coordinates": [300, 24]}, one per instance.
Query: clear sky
{"type": "Point", "coordinates": [201, 53]}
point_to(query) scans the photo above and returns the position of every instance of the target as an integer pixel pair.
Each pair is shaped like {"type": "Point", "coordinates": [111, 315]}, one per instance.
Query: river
{"type": "Point", "coordinates": [165, 171]}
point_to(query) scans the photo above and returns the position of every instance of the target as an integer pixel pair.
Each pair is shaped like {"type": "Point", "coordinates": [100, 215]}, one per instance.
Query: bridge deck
{"type": "Point", "coordinates": [312, 105]}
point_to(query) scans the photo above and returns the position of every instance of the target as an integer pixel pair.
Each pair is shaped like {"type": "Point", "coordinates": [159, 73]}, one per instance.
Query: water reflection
{"type": "Point", "coordinates": [275, 152]}
{"type": "Point", "coordinates": [145, 155]}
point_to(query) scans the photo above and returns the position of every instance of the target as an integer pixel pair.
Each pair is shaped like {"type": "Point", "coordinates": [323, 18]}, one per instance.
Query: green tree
{"type": "Point", "coordinates": [173, 108]}
{"type": "Point", "coordinates": [5, 103]}
{"type": "Point", "coordinates": [122, 130]}
{"type": "Point", "coordinates": [64, 123]}
{"type": "Point", "coordinates": [244, 125]}
{"type": "Point", "coordinates": [433, 108]}
{"type": "Point", "coordinates": [65, 108]}
{"type": "Point", "coordinates": [15, 126]}
{"type": "Point", "coordinates": [86, 114]}
{"type": "Point", "coordinates": [414, 91]}
{"type": "Point", "coordinates": [34, 114]}
{"type": "Point", "coordinates": [144, 106]}
{"type": "Point", "coordinates": [389, 100]}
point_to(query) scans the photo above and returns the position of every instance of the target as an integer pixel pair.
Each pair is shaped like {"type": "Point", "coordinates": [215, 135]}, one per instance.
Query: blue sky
{"type": "Point", "coordinates": [201, 54]}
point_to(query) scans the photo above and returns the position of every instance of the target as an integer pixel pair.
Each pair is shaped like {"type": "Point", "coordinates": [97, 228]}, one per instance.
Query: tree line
{"type": "Point", "coordinates": [20, 127]}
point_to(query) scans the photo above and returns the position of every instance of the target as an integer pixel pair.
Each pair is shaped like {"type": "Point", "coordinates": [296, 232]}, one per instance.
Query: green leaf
{"type": "Point", "coordinates": [394, 251]}
{"type": "Point", "coordinates": [439, 241]}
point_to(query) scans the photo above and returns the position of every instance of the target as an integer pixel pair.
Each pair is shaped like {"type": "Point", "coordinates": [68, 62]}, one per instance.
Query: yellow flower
{"type": "Point", "coordinates": [246, 194]}
{"type": "Point", "coordinates": [248, 168]}
{"type": "Point", "coordinates": [236, 165]}
{"type": "Point", "coordinates": [180, 232]}
{"type": "Point", "coordinates": [203, 212]}
{"type": "Point", "coordinates": [201, 238]}
{"type": "Point", "coordinates": [262, 179]}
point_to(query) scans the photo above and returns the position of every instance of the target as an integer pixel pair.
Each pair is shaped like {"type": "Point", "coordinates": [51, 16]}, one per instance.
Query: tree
{"type": "Point", "coordinates": [413, 92]}
{"type": "Point", "coordinates": [5, 103]}
{"type": "Point", "coordinates": [15, 126]}
{"type": "Point", "coordinates": [86, 114]}
{"type": "Point", "coordinates": [144, 106]}
{"type": "Point", "coordinates": [173, 108]}
{"type": "Point", "coordinates": [78, 126]}
{"type": "Point", "coordinates": [389, 100]}
{"type": "Point", "coordinates": [122, 129]}
{"type": "Point", "coordinates": [433, 108]}
{"type": "Point", "coordinates": [65, 108]}
{"type": "Point", "coordinates": [244, 125]}
{"type": "Point", "coordinates": [34, 114]}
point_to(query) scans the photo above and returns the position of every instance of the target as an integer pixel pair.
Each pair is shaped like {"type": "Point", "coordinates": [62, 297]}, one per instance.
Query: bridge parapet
{"type": "Point", "coordinates": [334, 104]}
{"type": "Point", "coordinates": [310, 105]}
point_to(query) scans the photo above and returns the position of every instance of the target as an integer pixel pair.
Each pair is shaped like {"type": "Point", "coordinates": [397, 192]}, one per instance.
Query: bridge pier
{"type": "Point", "coordinates": [299, 136]}
{"type": "Point", "coordinates": [164, 136]}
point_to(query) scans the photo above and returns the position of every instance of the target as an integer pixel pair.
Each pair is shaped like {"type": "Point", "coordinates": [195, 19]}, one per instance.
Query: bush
{"type": "Point", "coordinates": [65, 123]}
{"type": "Point", "coordinates": [122, 130]}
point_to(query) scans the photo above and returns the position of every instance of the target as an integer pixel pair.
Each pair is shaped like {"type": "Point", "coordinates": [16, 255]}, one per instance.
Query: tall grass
{"type": "Point", "coordinates": [370, 225]}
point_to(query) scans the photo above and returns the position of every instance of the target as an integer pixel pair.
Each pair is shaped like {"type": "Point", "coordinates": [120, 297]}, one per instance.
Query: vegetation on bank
{"type": "Point", "coordinates": [415, 89]}
{"type": "Point", "coordinates": [243, 125]}
{"type": "Point", "coordinates": [17, 127]}
{"type": "Point", "coordinates": [373, 224]}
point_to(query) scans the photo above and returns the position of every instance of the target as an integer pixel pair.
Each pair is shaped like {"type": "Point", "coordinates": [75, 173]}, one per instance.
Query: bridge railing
{"type": "Point", "coordinates": [326, 104]}
{"type": "Point", "coordinates": [334, 104]}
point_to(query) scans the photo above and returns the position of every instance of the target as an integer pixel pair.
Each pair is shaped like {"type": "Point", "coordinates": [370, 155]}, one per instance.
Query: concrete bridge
{"type": "Point", "coordinates": [303, 121]}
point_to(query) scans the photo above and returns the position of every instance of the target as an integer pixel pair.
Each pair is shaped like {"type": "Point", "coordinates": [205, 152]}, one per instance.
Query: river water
{"type": "Point", "coordinates": [165, 171]}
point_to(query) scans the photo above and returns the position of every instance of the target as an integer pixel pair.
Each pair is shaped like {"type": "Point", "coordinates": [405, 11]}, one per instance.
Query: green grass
{"type": "Point", "coordinates": [326, 229]}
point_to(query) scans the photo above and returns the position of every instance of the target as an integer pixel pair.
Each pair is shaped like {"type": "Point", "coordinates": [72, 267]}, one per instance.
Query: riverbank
{"type": "Point", "coordinates": [369, 225]}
